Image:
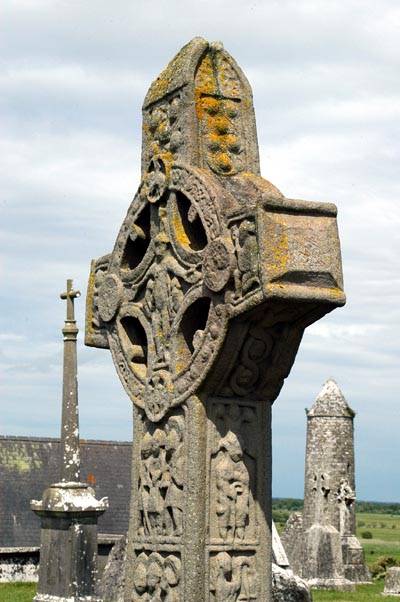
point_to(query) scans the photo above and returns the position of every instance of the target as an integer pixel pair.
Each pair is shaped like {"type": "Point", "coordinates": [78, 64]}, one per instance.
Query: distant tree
{"type": "Point", "coordinates": [366, 535]}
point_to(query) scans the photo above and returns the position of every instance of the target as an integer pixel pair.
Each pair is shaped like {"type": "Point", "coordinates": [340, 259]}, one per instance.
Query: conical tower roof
{"type": "Point", "coordinates": [331, 402]}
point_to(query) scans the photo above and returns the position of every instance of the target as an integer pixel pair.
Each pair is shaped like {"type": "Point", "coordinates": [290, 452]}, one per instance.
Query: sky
{"type": "Point", "coordinates": [326, 87]}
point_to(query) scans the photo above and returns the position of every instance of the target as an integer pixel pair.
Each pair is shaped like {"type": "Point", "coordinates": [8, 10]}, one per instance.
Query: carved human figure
{"type": "Point", "coordinates": [172, 576]}
{"type": "Point", "coordinates": [175, 464]}
{"type": "Point", "coordinates": [154, 577]}
{"type": "Point", "coordinates": [164, 295]}
{"type": "Point", "coordinates": [225, 582]}
{"type": "Point", "coordinates": [346, 498]}
{"type": "Point", "coordinates": [245, 241]}
{"type": "Point", "coordinates": [233, 578]}
{"type": "Point", "coordinates": [248, 581]}
{"type": "Point", "coordinates": [151, 469]}
{"type": "Point", "coordinates": [140, 580]}
{"type": "Point", "coordinates": [145, 484]}
{"type": "Point", "coordinates": [232, 481]}
{"type": "Point", "coordinates": [156, 468]}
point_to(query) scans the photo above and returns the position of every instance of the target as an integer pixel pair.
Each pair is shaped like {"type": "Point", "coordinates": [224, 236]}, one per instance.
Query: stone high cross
{"type": "Point", "coordinates": [203, 302]}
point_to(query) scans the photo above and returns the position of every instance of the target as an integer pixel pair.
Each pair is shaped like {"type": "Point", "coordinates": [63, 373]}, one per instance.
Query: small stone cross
{"type": "Point", "coordinates": [70, 295]}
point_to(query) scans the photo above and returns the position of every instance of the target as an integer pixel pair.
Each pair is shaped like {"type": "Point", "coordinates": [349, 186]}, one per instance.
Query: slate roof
{"type": "Point", "coordinates": [28, 465]}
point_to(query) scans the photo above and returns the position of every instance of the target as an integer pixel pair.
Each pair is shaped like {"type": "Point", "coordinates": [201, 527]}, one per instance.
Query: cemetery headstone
{"type": "Point", "coordinates": [392, 582]}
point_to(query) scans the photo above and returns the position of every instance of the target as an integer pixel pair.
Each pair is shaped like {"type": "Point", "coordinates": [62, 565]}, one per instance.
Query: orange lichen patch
{"type": "Point", "coordinates": [206, 80]}
{"type": "Point", "coordinates": [224, 162]}
{"type": "Point", "coordinates": [281, 250]}
{"type": "Point", "coordinates": [180, 233]}
{"type": "Point", "coordinates": [91, 479]}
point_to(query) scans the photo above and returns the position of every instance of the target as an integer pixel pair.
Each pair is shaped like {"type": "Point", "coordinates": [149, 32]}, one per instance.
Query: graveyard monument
{"type": "Point", "coordinates": [68, 509]}
{"type": "Point", "coordinates": [203, 303]}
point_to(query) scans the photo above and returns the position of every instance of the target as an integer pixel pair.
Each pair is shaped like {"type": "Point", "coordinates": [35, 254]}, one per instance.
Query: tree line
{"type": "Point", "coordinates": [283, 507]}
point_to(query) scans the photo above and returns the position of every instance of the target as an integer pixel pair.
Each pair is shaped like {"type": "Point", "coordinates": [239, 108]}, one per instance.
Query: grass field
{"type": "Point", "coordinates": [363, 593]}
{"type": "Point", "coordinates": [385, 541]}
{"type": "Point", "coordinates": [17, 592]}
{"type": "Point", "coordinates": [385, 530]}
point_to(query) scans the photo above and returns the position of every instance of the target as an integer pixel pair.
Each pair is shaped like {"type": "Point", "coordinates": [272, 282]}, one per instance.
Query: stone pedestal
{"type": "Point", "coordinates": [203, 303]}
{"type": "Point", "coordinates": [355, 567]}
{"type": "Point", "coordinates": [322, 562]}
{"type": "Point", "coordinates": [68, 543]}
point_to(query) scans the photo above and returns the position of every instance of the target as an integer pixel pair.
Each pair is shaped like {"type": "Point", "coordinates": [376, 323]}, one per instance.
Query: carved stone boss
{"type": "Point", "coordinates": [203, 302]}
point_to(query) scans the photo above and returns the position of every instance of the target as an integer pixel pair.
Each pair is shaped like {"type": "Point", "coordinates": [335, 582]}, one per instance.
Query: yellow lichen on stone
{"type": "Point", "coordinates": [89, 307]}
{"type": "Point", "coordinates": [179, 230]}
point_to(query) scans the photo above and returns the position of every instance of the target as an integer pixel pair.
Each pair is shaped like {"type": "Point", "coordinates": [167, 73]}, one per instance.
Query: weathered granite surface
{"type": "Point", "coordinates": [203, 302]}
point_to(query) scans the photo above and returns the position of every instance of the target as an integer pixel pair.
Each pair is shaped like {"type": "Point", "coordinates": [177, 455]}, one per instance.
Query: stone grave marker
{"type": "Point", "coordinates": [203, 303]}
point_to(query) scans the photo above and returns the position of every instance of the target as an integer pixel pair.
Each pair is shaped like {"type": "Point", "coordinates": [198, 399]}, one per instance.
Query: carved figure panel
{"type": "Point", "coordinates": [157, 578]}
{"type": "Point", "coordinates": [233, 478]}
{"type": "Point", "coordinates": [161, 479]}
{"type": "Point", "coordinates": [233, 578]}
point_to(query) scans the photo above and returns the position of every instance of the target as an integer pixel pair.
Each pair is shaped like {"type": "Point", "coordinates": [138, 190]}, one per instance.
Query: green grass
{"type": "Point", "coordinates": [363, 593]}
{"type": "Point", "coordinates": [17, 592]}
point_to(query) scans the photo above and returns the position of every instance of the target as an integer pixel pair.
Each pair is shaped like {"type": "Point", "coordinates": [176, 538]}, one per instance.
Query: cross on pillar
{"type": "Point", "coordinates": [203, 313]}
{"type": "Point", "coordinates": [68, 509]}
{"type": "Point", "coordinates": [70, 452]}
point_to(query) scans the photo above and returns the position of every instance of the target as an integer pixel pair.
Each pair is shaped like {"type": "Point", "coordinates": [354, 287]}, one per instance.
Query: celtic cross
{"type": "Point", "coordinates": [203, 302]}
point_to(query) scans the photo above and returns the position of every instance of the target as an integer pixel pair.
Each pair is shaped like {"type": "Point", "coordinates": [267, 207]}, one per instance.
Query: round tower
{"type": "Point", "coordinates": [329, 490]}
